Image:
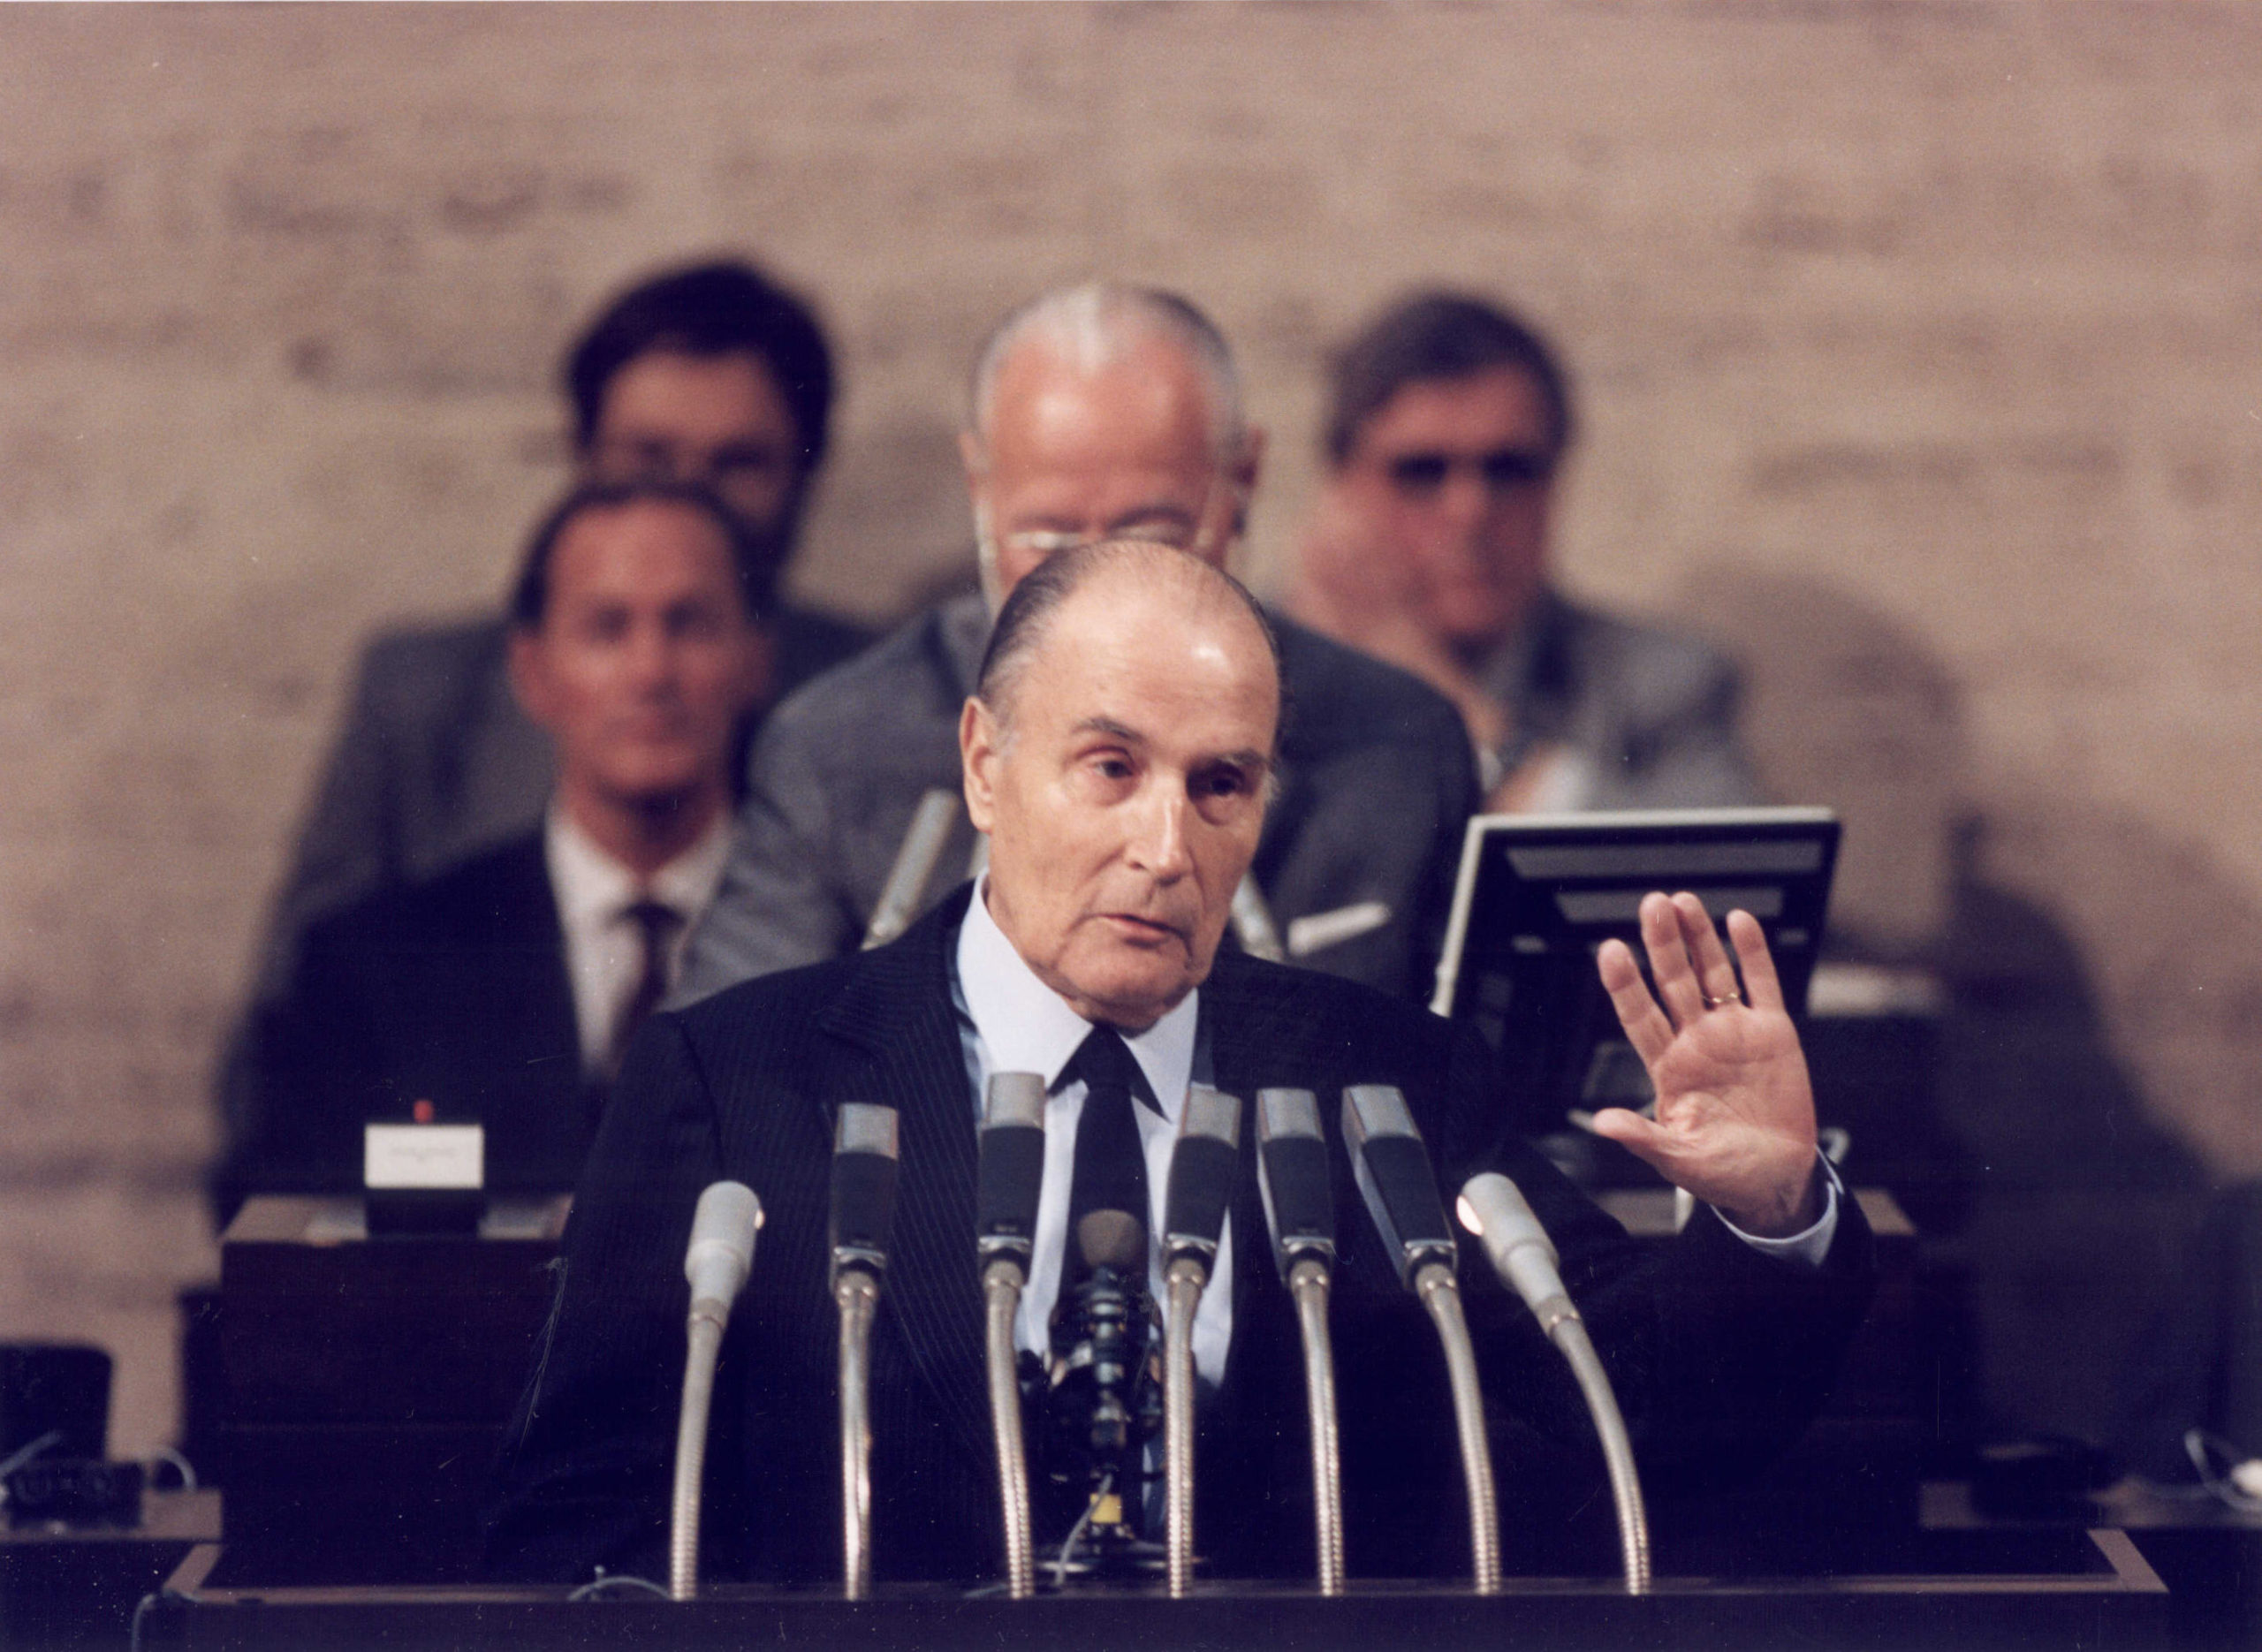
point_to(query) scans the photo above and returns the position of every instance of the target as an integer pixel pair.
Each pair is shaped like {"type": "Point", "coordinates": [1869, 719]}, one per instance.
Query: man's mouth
{"type": "Point", "coordinates": [1143, 930]}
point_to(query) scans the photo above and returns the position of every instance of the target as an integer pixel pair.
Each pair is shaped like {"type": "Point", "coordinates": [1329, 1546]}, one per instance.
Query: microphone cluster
{"type": "Point", "coordinates": [1098, 1394]}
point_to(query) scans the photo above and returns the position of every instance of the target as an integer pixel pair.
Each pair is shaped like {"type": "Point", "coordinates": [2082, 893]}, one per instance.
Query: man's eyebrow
{"type": "Point", "coordinates": [1110, 727]}
{"type": "Point", "coordinates": [1244, 759]}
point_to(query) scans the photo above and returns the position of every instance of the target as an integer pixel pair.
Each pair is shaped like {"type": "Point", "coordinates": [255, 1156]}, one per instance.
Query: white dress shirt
{"type": "Point", "coordinates": [1013, 1022]}
{"type": "Point", "coordinates": [604, 947]}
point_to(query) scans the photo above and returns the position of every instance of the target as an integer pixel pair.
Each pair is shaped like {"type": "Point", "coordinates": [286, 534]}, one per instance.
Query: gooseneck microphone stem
{"type": "Point", "coordinates": [706, 1338]}
{"type": "Point", "coordinates": [856, 1294]}
{"type": "Point", "coordinates": [1009, 1178]}
{"type": "Point", "coordinates": [1569, 1334]}
{"type": "Point", "coordinates": [1308, 1283]}
{"type": "Point", "coordinates": [715, 1265]}
{"type": "Point", "coordinates": [864, 1158]}
{"type": "Point", "coordinates": [1184, 1282]}
{"type": "Point", "coordinates": [1001, 1291]}
{"type": "Point", "coordinates": [1440, 1293]}
{"type": "Point", "coordinates": [1497, 1212]}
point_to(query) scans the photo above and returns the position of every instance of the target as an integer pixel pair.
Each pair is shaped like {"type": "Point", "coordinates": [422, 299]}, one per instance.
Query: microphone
{"type": "Point", "coordinates": [716, 1264]}
{"type": "Point", "coordinates": [1202, 1162]}
{"type": "Point", "coordinates": [862, 1213]}
{"type": "Point", "coordinates": [915, 866]}
{"type": "Point", "coordinates": [1392, 1168]}
{"type": "Point", "coordinates": [863, 1187]}
{"type": "Point", "coordinates": [1103, 1401]}
{"type": "Point", "coordinates": [1010, 1175]}
{"type": "Point", "coordinates": [1292, 1176]}
{"type": "Point", "coordinates": [1253, 925]}
{"type": "Point", "coordinates": [1494, 1210]}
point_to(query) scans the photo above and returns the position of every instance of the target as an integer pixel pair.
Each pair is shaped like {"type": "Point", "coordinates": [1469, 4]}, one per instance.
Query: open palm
{"type": "Point", "coordinates": [1734, 1122]}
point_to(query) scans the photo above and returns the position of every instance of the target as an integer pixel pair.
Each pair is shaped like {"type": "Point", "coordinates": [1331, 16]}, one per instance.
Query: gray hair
{"type": "Point", "coordinates": [1095, 323]}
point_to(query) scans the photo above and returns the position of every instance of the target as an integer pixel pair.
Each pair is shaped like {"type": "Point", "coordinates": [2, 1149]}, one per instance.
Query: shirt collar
{"type": "Point", "coordinates": [591, 888]}
{"type": "Point", "coordinates": [1025, 1027]}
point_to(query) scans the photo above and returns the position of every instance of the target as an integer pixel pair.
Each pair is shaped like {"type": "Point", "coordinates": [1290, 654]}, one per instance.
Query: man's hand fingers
{"type": "Point", "coordinates": [1639, 1136]}
{"type": "Point", "coordinates": [1669, 967]}
{"type": "Point", "coordinates": [1714, 974]}
{"type": "Point", "coordinates": [1646, 1027]}
{"type": "Point", "coordinates": [1751, 951]}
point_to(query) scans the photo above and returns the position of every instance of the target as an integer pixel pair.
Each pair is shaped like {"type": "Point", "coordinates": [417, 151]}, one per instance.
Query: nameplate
{"type": "Point", "coordinates": [423, 1155]}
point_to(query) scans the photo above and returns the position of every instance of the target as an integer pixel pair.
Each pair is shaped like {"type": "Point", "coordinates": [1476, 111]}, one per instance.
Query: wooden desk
{"type": "Point", "coordinates": [367, 1382]}
{"type": "Point", "coordinates": [2086, 1591]}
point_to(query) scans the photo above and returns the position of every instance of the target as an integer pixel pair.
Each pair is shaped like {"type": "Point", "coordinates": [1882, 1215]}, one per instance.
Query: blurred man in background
{"type": "Point", "coordinates": [1096, 412]}
{"type": "Point", "coordinates": [1448, 421]}
{"type": "Point", "coordinates": [502, 988]}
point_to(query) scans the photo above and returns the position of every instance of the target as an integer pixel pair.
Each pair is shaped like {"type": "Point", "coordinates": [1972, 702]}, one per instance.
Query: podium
{"type": "Point", "coordinates": [367, 1382]}
{"type": "Point", "coordinates": [2090, 1590]}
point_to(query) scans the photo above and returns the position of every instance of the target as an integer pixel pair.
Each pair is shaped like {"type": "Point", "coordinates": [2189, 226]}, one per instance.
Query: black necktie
{"type": "Point", "coordinates": [656, 924]}
{"type": "Point", "coordinates": [1111, 1172]}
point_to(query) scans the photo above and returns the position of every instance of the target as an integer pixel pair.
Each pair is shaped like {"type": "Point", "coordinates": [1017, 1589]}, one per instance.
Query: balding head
{"type": "Point", "coordinates": [1086, 326]}
{"type": "Point", "coordinates": [1104, 412]}
{"type": "Point", "coordinates": [1119, 757]}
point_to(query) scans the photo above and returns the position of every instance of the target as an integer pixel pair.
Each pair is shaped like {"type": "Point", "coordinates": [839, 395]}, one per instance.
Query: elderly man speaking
{"type": "Point", "coordinates": [1118, 750]}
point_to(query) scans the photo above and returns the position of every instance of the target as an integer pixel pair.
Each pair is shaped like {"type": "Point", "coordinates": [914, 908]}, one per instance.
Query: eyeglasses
{"type": "Point", "coordinates": [1178, 526]}
{"type": "Point", "coordinates": [1037, 543]}
{"type": "Point", "coordinates": [1423, 475]}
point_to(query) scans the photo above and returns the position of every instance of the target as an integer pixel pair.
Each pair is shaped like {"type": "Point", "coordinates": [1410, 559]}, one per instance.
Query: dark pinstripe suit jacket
{"type": "Point", "coordinates": [1717, 1350]}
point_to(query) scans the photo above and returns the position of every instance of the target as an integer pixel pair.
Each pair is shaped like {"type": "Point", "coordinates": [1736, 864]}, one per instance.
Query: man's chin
{"type": "Point", "coordinates": [1135, 991]}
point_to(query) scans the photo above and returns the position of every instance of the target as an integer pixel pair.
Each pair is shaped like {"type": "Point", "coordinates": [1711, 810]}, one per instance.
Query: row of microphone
{"type": "Point", "coordinates": [1396, 1183]}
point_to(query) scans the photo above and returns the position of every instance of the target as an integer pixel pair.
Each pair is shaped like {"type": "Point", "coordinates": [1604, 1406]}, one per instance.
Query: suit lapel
{"type": "Point", "coordinates": [896, 1013]}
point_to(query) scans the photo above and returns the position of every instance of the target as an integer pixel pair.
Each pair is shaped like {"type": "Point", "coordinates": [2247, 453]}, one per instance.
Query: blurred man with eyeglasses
{"type": "Point", "coordinates": [1097, 411]}
{"type": "Point", "coordinates": [1449, 418]}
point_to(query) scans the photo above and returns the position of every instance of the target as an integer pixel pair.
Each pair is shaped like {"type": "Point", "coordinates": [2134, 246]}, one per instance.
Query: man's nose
{"type": "Point", "coordinates": [651, 657]}
{"type": "Point", "coordinates": [1158, 843]}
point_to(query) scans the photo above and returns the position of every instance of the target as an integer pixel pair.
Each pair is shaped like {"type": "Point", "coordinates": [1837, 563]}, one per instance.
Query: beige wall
{"type": "Point", "coordinates": [1922, 346]}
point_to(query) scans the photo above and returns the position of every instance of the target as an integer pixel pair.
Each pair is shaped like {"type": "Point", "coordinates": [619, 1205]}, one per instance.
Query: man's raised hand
{"type": "Point", "coordinates": [1734, 1121]}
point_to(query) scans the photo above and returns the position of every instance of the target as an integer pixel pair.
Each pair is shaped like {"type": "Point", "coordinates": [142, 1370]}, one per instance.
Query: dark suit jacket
{"type": "Point", "coordinates": [1376, 783]}
{"type": "Point", "coordinates": [452, 991]}
{"type": "Point", "coordinates": [1717, 1351]}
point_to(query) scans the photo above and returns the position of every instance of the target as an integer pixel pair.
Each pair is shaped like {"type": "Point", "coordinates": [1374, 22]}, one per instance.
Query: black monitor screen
{"type": "Point", "coordinates": [1539, 894]}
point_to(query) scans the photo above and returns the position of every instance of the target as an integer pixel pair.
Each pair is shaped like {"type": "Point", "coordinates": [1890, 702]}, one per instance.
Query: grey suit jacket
{"type": "Point", "coordinates": [1650, 714]}
{"type": "Point", "coordinates": [1377, 782]}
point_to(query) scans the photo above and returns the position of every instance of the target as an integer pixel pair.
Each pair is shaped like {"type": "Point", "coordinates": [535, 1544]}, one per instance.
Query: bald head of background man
{"type": "Point", "coordinates": [1104, 412]}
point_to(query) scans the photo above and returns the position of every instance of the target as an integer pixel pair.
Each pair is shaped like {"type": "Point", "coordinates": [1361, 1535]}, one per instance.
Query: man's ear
{"type": "Point", "coordinates": [1248, 465]}
{"type": "Point", "coordinates": [979, 740]}
{"type": "Point", "coordinates": [529, 685]}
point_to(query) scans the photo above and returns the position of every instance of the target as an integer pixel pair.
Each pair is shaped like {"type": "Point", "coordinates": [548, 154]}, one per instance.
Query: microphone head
{"type": "Point", "coordinates": [864, 1185]}
{"type": "Point", "coordinates": [1292, 1174]}
{"type": "Point", "coordinates": [1204, 1162]}
{"type": "Point", "coordinates": [1494, 1209]}
{"type": "Point", "coordinates": [721, 1252]}
{"type": "Point", "coordinates": [1010, 1171]}
{"type": "Point", "coordinates": [1392, 1170]}
{"type": "Point", "coordinates": [1113, 1238]}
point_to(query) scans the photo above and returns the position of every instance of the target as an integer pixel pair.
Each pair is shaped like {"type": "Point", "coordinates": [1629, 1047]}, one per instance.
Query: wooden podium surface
{"type": "Point", "coordinates": [2090, 1591]}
